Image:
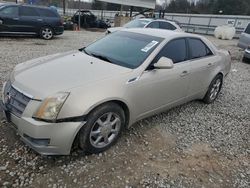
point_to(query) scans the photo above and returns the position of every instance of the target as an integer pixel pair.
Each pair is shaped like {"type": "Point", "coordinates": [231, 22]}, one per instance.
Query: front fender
{"type": "Point", "coordinates": [82, 100]}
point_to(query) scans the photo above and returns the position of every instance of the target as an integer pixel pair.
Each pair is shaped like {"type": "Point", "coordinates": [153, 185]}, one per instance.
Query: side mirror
{"type": "Point", "coordinates": [164, 63]}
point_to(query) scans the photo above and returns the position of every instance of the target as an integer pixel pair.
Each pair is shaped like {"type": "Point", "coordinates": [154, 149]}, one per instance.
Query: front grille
{"type": "Point", "coordinates": [15, 100]}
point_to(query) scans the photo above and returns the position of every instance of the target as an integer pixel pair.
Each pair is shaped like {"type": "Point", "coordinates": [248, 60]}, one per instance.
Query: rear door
{"type": "Point", "coordinates": [202, 63]}
{"type": "Point", "coordinates": [30, 20]}
{"type": "Point", "coordinates": [244, 41]}
{"type": "Point", "coordinates": [167, 26]}
{"type": "Point", "coordinates": [9, 19]}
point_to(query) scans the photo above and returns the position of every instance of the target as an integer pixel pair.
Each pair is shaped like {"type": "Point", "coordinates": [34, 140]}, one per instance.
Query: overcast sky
{"type": "Point", "coordinates": [160, 2]}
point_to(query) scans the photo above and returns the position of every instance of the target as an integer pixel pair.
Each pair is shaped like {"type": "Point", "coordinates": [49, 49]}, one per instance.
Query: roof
{"type": "Point", "coordinates": [162, 33]}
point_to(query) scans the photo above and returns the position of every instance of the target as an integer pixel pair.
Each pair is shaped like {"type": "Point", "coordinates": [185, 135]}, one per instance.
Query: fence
{"type": "Point", "coordinates": [206, 24]}
{"type": "Point", "coordinates": [193, 23]}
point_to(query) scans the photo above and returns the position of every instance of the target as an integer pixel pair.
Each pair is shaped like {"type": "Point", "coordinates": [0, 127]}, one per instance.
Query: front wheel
{"type": "Point", "coordinates": [214, 89]}
{"type": "Point", "coordinates": [46, 33]}
{"type": "Point", "coordinates": [103, 128]}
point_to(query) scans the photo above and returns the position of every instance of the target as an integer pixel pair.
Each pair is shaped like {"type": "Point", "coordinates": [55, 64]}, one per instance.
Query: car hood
{"type": "Point", "coordinates": [61, 72]}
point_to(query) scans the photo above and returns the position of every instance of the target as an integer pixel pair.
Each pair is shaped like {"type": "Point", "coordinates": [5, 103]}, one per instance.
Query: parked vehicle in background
{"type": "Point", "coordinates": [247, 54]}
{"type": "Point", "coordinates": [19, 19]}
{"type": "Point", "coordinates": [89, 20]}
{"type": "Point", "coordinates": [149, 23]}
{"type": "Point", "coordinates": [112, 83]}
{"type": "Point", "coordinates": [244, 40]}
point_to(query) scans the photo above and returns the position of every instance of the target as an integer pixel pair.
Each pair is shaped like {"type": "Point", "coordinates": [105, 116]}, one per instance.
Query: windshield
{"type": "Point", "coordinates": [137, 23]}
{"type": "Point", "coordinates": [123, 48]}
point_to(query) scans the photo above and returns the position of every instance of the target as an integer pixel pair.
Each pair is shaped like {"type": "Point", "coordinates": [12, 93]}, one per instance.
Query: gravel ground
{"type": "Point", "coordinates": [194, 145]}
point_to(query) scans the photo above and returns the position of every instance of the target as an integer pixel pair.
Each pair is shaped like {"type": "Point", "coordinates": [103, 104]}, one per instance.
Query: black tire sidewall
{"type": "Point", "coordinates": [46, 27]}
{"type": "Point", "coordinates": [207, 98]}
{"type": "Point", "coordinates": [84, 134]}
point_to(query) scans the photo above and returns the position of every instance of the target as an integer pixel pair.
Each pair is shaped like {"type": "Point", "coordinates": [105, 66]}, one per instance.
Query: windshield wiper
{"type": "Point", "coordinates": [104, 58]}
{"type": "Point", "coordinates": [83, 50]}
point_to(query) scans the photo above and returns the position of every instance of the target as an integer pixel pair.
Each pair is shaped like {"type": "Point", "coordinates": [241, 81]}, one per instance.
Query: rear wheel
{"type": "Point", "coordinates": [46, 33]}
{"type": "Point", "coordinates": [214, 89]}
{"type": "Point", "coordinates": [103, 128]}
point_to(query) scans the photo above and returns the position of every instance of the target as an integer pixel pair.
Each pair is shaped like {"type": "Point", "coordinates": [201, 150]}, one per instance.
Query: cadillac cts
{"type": "Point", "coordinates": [86, 98]}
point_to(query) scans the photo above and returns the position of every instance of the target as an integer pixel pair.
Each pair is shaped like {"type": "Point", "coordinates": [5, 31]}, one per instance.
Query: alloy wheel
{"type": "Point", "coordinates": [47, 33]}
{"type": "Point", "coordinates": [215, 89]}
{"type": "Point", "coordinates": [105, 130]}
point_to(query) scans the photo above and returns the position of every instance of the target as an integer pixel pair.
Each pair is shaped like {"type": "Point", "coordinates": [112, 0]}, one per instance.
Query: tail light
{"type": "Point", "coordinates": [61, 21]}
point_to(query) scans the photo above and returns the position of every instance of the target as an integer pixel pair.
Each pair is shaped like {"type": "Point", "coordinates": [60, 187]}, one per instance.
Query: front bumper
{"type": "Point", "coordinates": [247, 53]}
{"type": "Point", "coordinates": [45, 138]}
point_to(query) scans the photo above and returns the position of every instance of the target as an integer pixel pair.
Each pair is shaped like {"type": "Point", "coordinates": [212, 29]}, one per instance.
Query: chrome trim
{"type": "Point", "coordinates": [2, 93]}
{"type": "Point", "coordinates": [28, 95]}
{"type": "Point", "coordinates": [247, 51]}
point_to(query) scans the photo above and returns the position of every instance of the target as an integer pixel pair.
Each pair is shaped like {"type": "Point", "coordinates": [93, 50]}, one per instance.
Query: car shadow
{"type": "Point", "coordinates": [246, 61]}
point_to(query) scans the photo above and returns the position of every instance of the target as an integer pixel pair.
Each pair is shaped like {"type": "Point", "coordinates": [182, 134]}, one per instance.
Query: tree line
{"type": "Point", "coordinates": [228, 7]}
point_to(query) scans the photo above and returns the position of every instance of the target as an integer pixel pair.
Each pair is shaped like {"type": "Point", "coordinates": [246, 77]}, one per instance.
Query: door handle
{"type": "Point", "coordinates": [210, 64]}
{"type": "Point", "coordinates": [15, 18]}
{"type": "Point", "coordinates": [39, 19]}
{"type": "Point", "coordinates": [184, 73]}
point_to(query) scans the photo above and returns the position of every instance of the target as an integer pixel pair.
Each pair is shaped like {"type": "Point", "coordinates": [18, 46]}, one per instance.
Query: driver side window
{"type": "Point", "coordinates": [176, 50]}
{"type": "Point", "coordinates": [11, 11]}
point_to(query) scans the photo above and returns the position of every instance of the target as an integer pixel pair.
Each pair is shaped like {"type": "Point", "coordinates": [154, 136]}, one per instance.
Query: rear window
{"type": "Point", "coordinates": [47, 13]}
{"type": "Point", "coordinates": [248, 29]}
{"type": "Point", "coordinates": [28, 11]}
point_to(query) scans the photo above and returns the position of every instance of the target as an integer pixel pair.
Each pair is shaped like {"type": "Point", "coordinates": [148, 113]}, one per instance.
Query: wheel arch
{"type": "Point", "coordinates": [46, 25]}
{"type": "Point", "coordinates": [121, 103]}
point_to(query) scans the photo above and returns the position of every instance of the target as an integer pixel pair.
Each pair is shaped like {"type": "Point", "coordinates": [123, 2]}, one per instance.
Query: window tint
{"type": "Point", "coordinates": [175, 50]}
{"type": "Point", "coordinates": [28, 11]}
{"type": "Point", "coordinates": [248, 29]}
{"type": "Point", "coordinates": [9, 11]}
{"type": "Point", "coordinates": [166, 25]}
{"type": "Point", "coordinates": [198, 49]}
{"type": "Point", "coordinates": [47, 13]}
{"type": "Point", "coordinates": [154, 25]}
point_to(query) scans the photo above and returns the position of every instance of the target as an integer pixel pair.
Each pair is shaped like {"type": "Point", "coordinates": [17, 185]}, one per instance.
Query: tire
{"type": "Point", "coordinates": [214, 89]}
{"type": "Point", "coordinates": [103, 128]}
{"type": "Point", "coordinates": [246, 60]}
{"type": "Point", "coordinates": [46, 33]}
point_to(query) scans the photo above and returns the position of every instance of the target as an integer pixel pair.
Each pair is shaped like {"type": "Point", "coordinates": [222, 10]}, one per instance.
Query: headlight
{"type": "Point", "coordinates": [51, 107]}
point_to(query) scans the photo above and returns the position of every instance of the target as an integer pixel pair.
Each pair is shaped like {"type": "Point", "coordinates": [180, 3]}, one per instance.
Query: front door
{"type": "Point", "coordinates": [158, 89]}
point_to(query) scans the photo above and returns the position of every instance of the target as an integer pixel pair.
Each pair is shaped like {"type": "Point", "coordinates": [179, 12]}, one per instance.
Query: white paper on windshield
{"type": "Point", "coordinates": [149, 46]}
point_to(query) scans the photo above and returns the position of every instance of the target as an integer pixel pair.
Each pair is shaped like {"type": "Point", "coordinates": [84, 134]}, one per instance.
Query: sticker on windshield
{"type": "Point", "coordinates": [149, 46]}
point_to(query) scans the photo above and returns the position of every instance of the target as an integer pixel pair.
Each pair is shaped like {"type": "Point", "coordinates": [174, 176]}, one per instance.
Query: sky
{"type": "Point", "coordinates": [160, 2]}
